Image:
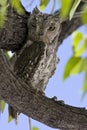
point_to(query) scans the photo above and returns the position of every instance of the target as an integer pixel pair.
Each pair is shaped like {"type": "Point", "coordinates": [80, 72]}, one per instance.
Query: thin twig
{"type": "Point", "coordinates": [30, 126]}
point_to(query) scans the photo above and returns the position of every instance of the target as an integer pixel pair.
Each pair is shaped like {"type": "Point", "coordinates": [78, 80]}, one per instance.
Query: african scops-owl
{"type": "Point", "coordinates": [36, 61]}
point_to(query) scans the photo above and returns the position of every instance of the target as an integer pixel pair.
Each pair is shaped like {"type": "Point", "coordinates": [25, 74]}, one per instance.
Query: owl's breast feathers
{"type": "Point", "coordinates": [36, 64]}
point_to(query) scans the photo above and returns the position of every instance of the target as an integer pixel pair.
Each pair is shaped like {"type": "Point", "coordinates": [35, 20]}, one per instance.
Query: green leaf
{"type": "Point", "coordinates": [43, 4]}
{"type": "Point", "coordinates": [66, 5]}
{"type": "Point", "coordinates": [84, 88]}
{"type": "Point", "coordinates": [80, 67]}
{"type": "Point", "coordinates": [3, 12]}
{"type": "Point", "coordinates": [17, 6]}
{"type": "Point", "coordinates": [84, 65]}
{"type": "Point", "coordinates": [3, 2]}
{"type": "Point", "coordinates": [9, 119]}
{"type": "Point", "coordinates": [2, 105]}
{"type": "Point", "coordinates": [84, 15]}
{"type": "Point", "coordinates": [73, 9]}
{"type": "Point", "coordinates": [7, 55]}
{"type": "Point", "coordinates": [77, 68]}
{"type": "Point", "coordinates": [81, 50]}
{"type": "Point", "coordinates": [78, 49]}
{"type": "Point", "coordinates": [71, 64]}
{"type": "Point", "coordinates": [77, 37]}
{"type": "Point", "coordinates": [35, 128]}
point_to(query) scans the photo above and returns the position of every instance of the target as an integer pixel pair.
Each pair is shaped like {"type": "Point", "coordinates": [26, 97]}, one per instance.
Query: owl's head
{"type": "Point", "coordinates": [43, 27]}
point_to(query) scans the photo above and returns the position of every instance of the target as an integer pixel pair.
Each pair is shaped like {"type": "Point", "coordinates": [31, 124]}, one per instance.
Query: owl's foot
{"type": "Point", "coordinates": [55, 99]}
{"type": "Point", "coordinates": [61, 101]}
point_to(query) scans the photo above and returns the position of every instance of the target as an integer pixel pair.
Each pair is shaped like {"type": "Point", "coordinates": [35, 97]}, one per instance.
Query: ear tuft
{"type": "Point", "coordinates": [36, 10]}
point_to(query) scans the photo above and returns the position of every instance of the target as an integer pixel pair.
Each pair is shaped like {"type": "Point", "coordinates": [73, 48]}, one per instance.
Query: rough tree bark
{"type": "Point", "coordinates": [24, 98]}
{"type": "Point", "coordinates": [14, 32]}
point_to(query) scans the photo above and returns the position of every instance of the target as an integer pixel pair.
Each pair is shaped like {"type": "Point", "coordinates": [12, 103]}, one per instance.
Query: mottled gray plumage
{"type": "Point", "coordinates": [36, 61]}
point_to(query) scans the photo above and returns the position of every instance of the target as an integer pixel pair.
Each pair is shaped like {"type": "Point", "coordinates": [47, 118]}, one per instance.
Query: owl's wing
{"type": "Point", "coordinates": [28, 60]}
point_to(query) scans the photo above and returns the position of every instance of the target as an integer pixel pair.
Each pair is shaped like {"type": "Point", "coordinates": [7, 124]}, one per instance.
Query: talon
{"type": "Point", "coordinates": [54, 98]}
{"type": "Point", "coordinates": [61, 101]}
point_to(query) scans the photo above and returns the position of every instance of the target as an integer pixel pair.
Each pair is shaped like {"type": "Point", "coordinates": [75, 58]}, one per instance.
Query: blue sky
{"type": "Point", "coordinates": [69, 90]}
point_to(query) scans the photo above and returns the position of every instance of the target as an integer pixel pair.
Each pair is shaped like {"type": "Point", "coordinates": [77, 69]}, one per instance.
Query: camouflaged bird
{"type": "Point", "coordinates": [36, 61]}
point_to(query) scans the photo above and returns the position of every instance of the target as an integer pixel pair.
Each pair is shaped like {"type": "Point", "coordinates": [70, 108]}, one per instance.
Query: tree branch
{"type": "Point", "coordinates": [26, 100]}
{"type": "Point", "coordinates": [69, 26]}
{"type": "Point", "coordinates": [14, 33]}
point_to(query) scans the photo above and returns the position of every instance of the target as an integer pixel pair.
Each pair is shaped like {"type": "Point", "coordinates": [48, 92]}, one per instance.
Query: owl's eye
{"type": "Point", "coordinates": [51, 28]}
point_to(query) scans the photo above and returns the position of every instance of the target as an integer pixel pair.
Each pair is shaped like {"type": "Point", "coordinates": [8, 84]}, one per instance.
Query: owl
{"type": "Point", "coordinates": [36, 61]}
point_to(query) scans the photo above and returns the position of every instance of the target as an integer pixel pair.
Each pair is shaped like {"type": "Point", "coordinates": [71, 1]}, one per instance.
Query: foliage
{"type": "Point", "coordinates": [73, 9]}
{"type": "Point", "coordinates": [17, 6]}
{"type": "Point", "coordinates": [84, 16]}
{"type": "Point", "coordinates": [2, 106]}
{"type": "Point", "coordinates": [35, 128]}
{"type": "Point", "coordinates": [69, 7]}
{"type": "Point", "coordinates": [3, 12]}
{"type": "Point", "coordinates": [44, 3]}
{"type": "Point", "coordinates": [66, 6]}
{"type": "Point", "coordinates": [77, 63]}
{"type": "Point", "coordinates": [3, 9]}
{"type": "Point", "coordinates": [9, 119]}
{"type": "Point", "coordinates": [72, 66]}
